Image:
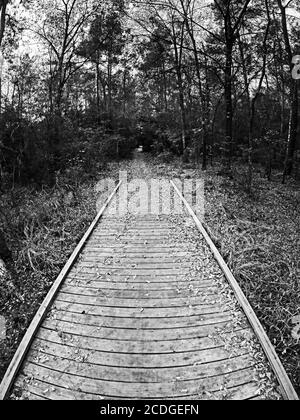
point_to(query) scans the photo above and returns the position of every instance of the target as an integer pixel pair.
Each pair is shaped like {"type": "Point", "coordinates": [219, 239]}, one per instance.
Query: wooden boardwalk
{"type": "Point", "coordinates": [136, 318]}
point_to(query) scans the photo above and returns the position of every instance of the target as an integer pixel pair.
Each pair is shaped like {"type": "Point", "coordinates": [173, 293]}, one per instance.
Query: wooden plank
{"type": "Point", "coordinates": [288, 390]}
{"type": "Point", "coordinates": [146, 278]}
{"type": "Point", "coordinates": [136, 256]}
{"type": "Point", "coordinates": [145, 293]}
{"type": "Point", "coordinates": [138, 312]}
{"type": "Point", "coordinates": [140, 221]}
{"type": "Point", "coordinates": [27, 340]}
{"type": "Point", "coordinates": [132, 303]}
{"type": "Point", "coordinates": [145, 265]}
{"type": "Point", "coordinates": [102, 328]}
{"type": "Point", "coordinates": [121, 281]}
{"type": "Point", "coordinates": [241, 392]}
{"type": "Point", "coordinates": [137, 390]}
{"type": "Point", "coordinates": [112, 373]}
{"type": "Point", "coordinates": [87, 350]}
{"type": "Point", "coordinates": [92, 338]}
{"type": "Point", "coordinates": [156, 329]}
{"type": "Point", "coordinates": [136, 231]}
{"type": "Point", "coordinates": [134, 251]}
{"type": "Point", "coordinates": [126, 271]}
{"type": "Point", "coordinates": [57, 393]}
{"type": "Point", "coordinates": [134, 324]}
{"type": "Point", "coordinates": [136, 287]}
{"type": "Point", "coordinates": [117, 261]}
{"type": "Point", "coordinates": [134, 236]}
{"type": "Point", "coordinates": [142, 248]}
{"type": "Point", "coordinates": [134, 241]}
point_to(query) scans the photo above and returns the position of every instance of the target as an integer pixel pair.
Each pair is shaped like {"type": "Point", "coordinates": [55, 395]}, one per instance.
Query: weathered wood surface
{"type": "Point", "coordinates": [130, 321]}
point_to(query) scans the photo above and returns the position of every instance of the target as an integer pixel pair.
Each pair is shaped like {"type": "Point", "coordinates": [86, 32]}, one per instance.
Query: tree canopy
{"type": "Point", "coordinates": [204, 78]}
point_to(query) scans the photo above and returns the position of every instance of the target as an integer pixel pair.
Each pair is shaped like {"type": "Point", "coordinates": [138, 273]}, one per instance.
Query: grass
{"type": "Point", "coordinates": [259, 238]}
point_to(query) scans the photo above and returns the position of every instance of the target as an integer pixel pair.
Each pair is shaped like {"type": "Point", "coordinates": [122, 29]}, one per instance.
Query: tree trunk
{"type": "Point", "coordinates": [232, 24]}
{"type": "Point", "coordinates": [252, 102]}
{"type": "Point", "coordinates": [182, 109]}
{"type": "Point", "coordinates": [109, 89]}
{"type": "Point", "coordinates": [124, 92]}
{"type": "Point", "coordinates": [98, 96]}
{"type": "Point", "coordinates": [4, 251]}
{"type": "Point", "coordinates": [203, 103]}
{"type": "Point", "coordinates": [294, 101]}
{"type": "Point", "coordinates": [206, 119]}
{"type": "Point", "coordinates": [293, 127]}
{"type": "Point", "coordinates": [165, 88]}
{"type": "Point", "coordinates": [178, 64]}
{"type": "Point", "coordinates": [2, 19]}
{"type": "Point", "coordinates": [228, 146]}
{"type": "Point", "coordinates": [2, 29]}
{"type": "Point", "coordinates": [3, 272]}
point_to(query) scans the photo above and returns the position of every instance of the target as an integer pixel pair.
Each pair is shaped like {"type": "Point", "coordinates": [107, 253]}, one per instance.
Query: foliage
{"type": "Point", "coordinates": [159, 62]}
{"type": "Point", "coordinates": [31, 152]}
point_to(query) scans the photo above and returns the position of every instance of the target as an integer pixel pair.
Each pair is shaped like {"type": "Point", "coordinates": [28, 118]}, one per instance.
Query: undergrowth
{"type": "Point", "coordinates": [259, 238]}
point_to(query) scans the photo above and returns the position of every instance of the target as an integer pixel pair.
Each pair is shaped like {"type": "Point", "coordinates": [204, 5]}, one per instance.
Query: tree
{"type": "Point", "coordinates": [294, 100]}
{"type": "Point", "coordinates": [232, 15]}
{"type": "Point", "coordinates": [3, 7]}
{"type": "Point", "coordinates": [103, 47]}
{"type": "Point", "coordinates": [252, 93]}
{"type": "Point", "coordinates": [171, 28]}
{"type": "Point", "coordinates": [188, 8]}
{"type": "Point", "coordinates": [64, 25]}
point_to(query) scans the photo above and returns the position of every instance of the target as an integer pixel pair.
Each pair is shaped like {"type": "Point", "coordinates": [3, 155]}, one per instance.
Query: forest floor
{"type": "Point", "coordinates": [258, 236]}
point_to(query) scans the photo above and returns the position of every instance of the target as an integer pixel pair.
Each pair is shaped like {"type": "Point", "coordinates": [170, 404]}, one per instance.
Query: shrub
{"type": "Point", "coordinates": [166, 157]}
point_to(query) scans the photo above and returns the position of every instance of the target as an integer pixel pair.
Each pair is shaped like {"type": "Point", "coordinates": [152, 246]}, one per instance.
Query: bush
{"type": "Point", "coordinates": [34, 153]}
{"type": "Point", "coordinates": [23, 153]}
{"type": "Point", "coordinates": [166, 157]}
{"type": "Point", "coordinates": [164, 141]}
